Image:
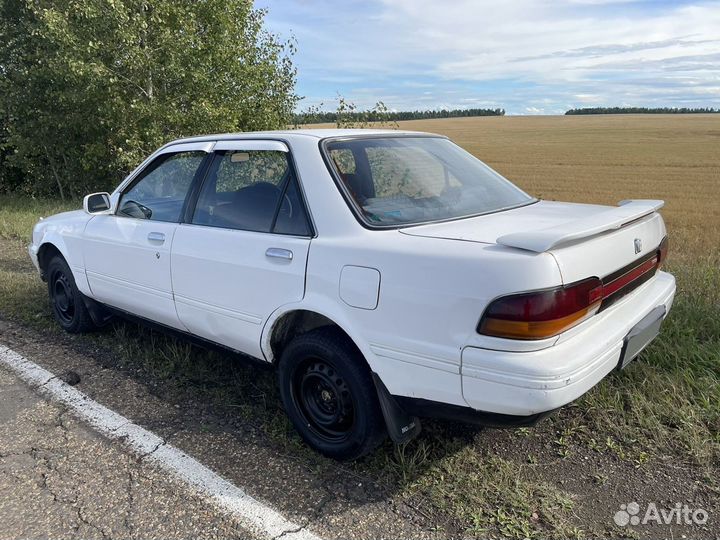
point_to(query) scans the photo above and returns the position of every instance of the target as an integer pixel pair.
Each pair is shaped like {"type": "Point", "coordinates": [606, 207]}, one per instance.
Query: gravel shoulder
{"type": "Point", "coordinates": [59, 479]}
{"type": "Point", "coordinates": [562, 478]}
{"type": "Point", "coordinates": [331, 502]}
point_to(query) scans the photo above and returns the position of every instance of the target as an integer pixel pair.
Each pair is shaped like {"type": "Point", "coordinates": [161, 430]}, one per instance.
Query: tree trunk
{"type": "Point", "coordinates": [55, 173]}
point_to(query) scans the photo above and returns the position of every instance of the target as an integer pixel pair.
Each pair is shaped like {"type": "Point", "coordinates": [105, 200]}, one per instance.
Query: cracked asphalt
{"type": "Point", "coordinates": [59, 479]}
{"type": "Point", "coordinates": [97, 487]}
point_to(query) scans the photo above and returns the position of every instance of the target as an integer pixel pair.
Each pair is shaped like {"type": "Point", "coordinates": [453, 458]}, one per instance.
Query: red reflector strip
{"type": "Point", "coordinates": [627, 278]}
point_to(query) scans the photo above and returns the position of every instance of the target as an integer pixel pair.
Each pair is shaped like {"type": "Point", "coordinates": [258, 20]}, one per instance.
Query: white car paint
{"type": "Point", "coordinates": [129, 269]}
{"type": "Point", "coordinates": [409, 298]}
{"type": "Point", "coordinates": [64, 231]}
{"type": "Point", "coordinates": [241, 285]}
{"type": "Point", "coordinates": [561, 373]}
{"type": "Point", "coordinates": [360, 286]}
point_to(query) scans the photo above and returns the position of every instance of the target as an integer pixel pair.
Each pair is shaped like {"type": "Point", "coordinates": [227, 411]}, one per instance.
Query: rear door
{"type": "Point", "coordinates": [243, 251]}
{"type": "Point", "coordinates": [127, 254]}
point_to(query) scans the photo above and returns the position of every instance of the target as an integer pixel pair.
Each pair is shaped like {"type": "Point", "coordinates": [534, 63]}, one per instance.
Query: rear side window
{"type": "Point", "coordinates": [252, 191]}
{"type": "Point", "coordinates": [159, 192]}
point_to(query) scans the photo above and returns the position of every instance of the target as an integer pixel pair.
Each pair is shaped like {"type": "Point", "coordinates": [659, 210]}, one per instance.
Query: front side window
{"type": "Point", "coordinates": [160, 190]}
{"type": "Point", "coordinates": [252, 191]}
{"type": "Point", "coordinates": [405, 180]}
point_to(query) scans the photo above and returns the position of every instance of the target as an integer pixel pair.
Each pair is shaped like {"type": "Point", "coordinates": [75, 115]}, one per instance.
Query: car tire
{"type": "Point", "coordinates": [329, 395]}
{"type": "Point", "coordinates": [66, 300]}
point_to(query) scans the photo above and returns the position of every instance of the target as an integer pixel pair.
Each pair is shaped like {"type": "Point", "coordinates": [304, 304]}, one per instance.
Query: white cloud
{"type": "Point", "coordinates": [588, 98]}
{"type": "Point", "coordinates": [529, 51]}
{"type": "Point", "coordinates": [541, 41]}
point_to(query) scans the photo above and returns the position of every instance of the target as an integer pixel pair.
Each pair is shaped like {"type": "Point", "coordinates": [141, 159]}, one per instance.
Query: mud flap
{"type": "Point", "coordinates": [98, 313]}
{"type": "Point", "coordinates": [401, 426]}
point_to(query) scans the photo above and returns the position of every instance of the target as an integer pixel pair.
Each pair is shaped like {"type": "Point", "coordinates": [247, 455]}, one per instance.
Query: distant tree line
{"type": "Point", "coordinates": [643, 110]}
{"type": "Point", "coordinates": [381, 114]}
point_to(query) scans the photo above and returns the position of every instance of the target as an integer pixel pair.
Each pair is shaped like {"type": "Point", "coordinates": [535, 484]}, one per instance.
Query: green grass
{"type": "Point", "coordinates": [669, 401]}
{"type": "Point", "coordinates": [19, 214]}
{"type": "Point", "coordinates": [664, 407]}
{"type": "Point", "coordinates": [515, 503]}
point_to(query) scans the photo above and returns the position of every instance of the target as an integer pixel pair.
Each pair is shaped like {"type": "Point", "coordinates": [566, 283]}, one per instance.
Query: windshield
{"type": "Point", "coordinates": [406, 180]}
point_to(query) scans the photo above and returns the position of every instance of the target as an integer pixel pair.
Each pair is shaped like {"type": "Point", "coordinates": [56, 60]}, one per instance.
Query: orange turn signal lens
{"type": "Point", "coordinates": [535, 329]}
{"type": "Point", "coordinates": [542, 314]}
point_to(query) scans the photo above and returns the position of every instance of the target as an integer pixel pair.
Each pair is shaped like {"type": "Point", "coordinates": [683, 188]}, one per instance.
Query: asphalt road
{"type": "Point", "coordinates": [61, 479]}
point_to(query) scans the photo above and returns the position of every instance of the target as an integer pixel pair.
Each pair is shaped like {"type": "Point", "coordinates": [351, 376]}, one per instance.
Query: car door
{"type": "Point", "coordinates": [127, 253]}
{"type": "Point", "coordinates": [243, 251]}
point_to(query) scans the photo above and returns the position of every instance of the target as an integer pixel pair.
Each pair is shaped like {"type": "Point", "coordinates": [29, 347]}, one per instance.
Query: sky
{"type": "Point", "coordinates": [526, 56]}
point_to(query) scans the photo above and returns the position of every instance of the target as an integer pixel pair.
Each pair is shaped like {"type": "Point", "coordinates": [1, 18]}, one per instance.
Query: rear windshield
{"type": "Point", "coordinates": [405, 180]}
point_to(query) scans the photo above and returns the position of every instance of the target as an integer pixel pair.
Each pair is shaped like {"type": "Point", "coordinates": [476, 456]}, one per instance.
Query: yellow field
{"type": "Point", "coordinates": [661, 414]}
{"type": "Point", "coordinates": [606, 158]}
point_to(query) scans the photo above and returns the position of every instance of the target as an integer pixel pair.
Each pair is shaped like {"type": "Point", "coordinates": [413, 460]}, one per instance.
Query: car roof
{"type": "Point", "coordinates": [290, 134]}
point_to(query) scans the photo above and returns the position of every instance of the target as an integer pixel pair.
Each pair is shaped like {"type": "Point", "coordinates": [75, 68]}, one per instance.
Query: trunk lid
{"type": "Point", "coordinates": [585, 240]}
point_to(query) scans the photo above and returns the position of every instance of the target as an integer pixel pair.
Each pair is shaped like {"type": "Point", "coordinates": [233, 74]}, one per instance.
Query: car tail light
{"type": "Point", "coordinates": [663, 252]}
{"type": "Point", "coordinates": [542, 314]}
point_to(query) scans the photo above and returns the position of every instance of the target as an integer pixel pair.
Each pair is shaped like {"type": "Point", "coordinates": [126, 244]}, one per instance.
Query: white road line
{"type": "Point", "coordinates": [253, 514]}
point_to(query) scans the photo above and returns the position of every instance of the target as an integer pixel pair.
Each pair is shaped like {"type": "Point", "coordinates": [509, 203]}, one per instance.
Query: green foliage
{"type": "Point", "coordinates": [348, 115]}
{"type": "Point", "coordinates": [91, 87]}
{"type": "Point", "coordinates": [642, 110]}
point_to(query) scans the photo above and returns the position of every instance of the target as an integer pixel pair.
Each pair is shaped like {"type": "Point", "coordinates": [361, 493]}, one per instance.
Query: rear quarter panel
{"type": "Point", "coordinates": [432, 294]}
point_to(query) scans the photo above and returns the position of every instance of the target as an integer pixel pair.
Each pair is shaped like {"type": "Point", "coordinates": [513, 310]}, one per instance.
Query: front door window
{"type": "Point", "coordinates": [159, 192]}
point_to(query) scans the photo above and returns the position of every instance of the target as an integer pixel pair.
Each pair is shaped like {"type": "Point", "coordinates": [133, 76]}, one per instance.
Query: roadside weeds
{"type": "Point", "coordinates": [658, 419]}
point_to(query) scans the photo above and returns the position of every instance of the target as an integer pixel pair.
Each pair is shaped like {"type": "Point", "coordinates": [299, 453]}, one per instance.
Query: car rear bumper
{"type": "Point", "coordinates": [533, 382]}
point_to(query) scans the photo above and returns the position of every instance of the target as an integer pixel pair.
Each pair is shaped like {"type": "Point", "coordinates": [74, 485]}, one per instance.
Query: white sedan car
{"type": "Point", "coordinates": [387, 275]}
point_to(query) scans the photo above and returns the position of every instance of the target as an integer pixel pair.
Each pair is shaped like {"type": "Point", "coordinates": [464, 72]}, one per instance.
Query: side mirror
{"type": "Point", "coordinates": [96, 203]}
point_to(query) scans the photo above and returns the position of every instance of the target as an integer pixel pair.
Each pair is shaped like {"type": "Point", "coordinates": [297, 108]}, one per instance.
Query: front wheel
{"type": "Point", "coordinates": [329, 395]}
{"type": "Point", "coordinates": [65, 299]}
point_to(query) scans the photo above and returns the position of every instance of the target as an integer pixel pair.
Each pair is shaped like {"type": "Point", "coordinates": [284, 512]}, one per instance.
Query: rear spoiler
{"type": "Point", "coordinates": [613, 218]}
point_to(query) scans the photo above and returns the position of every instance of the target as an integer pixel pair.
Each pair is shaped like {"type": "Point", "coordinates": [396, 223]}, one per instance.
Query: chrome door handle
{"type": "Point", "coordinates": [156, 237]}
{"type": "Point", "coordinates": [279, 253]}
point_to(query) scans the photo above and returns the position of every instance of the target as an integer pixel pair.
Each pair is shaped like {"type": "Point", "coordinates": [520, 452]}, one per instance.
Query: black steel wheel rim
{"type": "Point", "coordinates": [324, 400]}
{"type": "Point", "coordinates": [62, 297]}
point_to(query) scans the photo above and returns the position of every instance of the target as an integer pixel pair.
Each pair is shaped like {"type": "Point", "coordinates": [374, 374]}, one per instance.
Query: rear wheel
{"type": "Point", "coordinates": [329, 395]}
{"type": "Point", "coordinates": [66, 300]}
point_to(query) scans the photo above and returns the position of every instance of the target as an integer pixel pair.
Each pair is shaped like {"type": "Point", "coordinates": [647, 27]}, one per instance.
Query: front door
{"type": "Point", "coordinates": [244, 251]}
{"type": "Point", "coordinates": [127, 254]}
